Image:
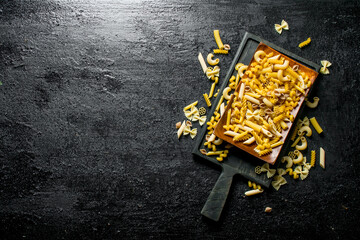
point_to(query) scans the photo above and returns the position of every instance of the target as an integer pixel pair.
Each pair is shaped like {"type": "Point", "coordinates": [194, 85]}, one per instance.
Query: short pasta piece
{"type": "Point", "coordinates": [202, 62]}
{"type": "Point", "coordinates": [325, 64]}
{"type": "Point", "coordinates": [253, 192]}
{"type": "Point", "coordinates": [207, 100]}
{"type": "Point", "coordinates": [305, 43]}
{"type": "Point", "coordinates": [313, 158]}
{"type": "Point", "coordinates": [316, 125]}
{"type": "Point", "coordinates": [212, 61]}
{"type": "Point", "coordinates": [313, 104]}
{"type": "Point", "coordinates": [284, 26]}
{"type": "Point", "coordinates": [220, 51]}
{"type": "Point", "coordinates": [218, 39]}
{"type": "Point", "coordinates": [322, 158]}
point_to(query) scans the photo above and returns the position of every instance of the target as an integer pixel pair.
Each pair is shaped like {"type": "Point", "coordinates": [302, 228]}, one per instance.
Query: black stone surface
{"type": "Point", "coordinates": [90, 94]}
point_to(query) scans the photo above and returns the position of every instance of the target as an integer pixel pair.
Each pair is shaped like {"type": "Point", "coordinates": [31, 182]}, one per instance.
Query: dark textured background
{"type": "Point", "coordinates": [91, 93]}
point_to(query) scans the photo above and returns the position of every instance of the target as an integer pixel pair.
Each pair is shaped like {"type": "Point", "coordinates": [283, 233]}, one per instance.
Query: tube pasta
{"type": "Point", "coordinates": [259, 54]}
{"type": "Point", "coordinates": [322, 158]}
{"type": "Point", "coordinates": [181, 129]}
{"type": "Point", "coordinates": [299, 157]}
{"type": "Point", "coordinates": [191, 105]}
{"type": "Point", "coordinates": [219, 103]}
{"type": "Point", "coordinates": [212, 89]}
{"type": "Point", "coordinates": [218, 39]}
{"type": "Point", "coordinates": [242, 70]}
{"type": "Point", "coordinates": [226, 93]}
{"type": "Point", "coordinates": [241, 92]}
{"type": "Point", "coordinates": [313, 104]}
{"type": "Point", "coordinates": [253, 192]}
{"type": "Point", "coordinates": [202, 62]}
{"type": "Point", "coordinates": [251, 99]}
{"type": "Point", "coordinates": [281, 66]}
{"type": "Point", "coordinates": [306, 129]}
{"type": "Point", "coordinates": [288, 160]}
{"type": "Point", "coordinates": [316, 125]}
{"type": "Point", "coordinates": [303, 145]}
{"type": "Point", "coordinates": [212, 61]}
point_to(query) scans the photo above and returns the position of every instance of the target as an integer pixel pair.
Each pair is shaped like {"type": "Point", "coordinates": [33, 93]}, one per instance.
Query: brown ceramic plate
{"type": "Point", "coordinates": [272, 157]}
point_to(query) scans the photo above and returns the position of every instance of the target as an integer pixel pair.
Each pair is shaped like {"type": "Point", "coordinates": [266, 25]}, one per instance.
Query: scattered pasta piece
{"type": "Point", "coordinates": [190, 105]}
{"type": "Point", "coordinates": [181, 129]}
{"type": "Point", "coordinates": [284, 26]}
{"type": "Point", "coordinates": [254, 185]}
{"type": "Point", "coordinates": [322, 158]}
{"type": "Point", "coordinates": [313, 158]}
{"type": "Point", "coordinates": [303, 145]}
{"type": "Point", "coordinates": [202, 62]}
{"type": "Point", "coordinates": [220, 51]}
{"type": "Point", "coordinates": [304, 43]}
{"type": "Point", "coordinates": [218, 39]}
{"type": "Point", "coordinates": [190, 113]}
{"type": "Point", "coordinates": [253, 192]}
{"type": "Point", "coordinates": [278, 182]}
{"type": "Point", "coordinates": [269, 172]}
{"type": "Point", "coordinates": [207, 100]}
{"type": "Point", "coordinates": [212, 61]}
{"type": "Point", "coordinates": [302, 172]}
{"type": "Point", "coordinates": [313, 104]}
{"type": "Point", "coordinates": [316, 125]}
{"type": "Point", "coordinates": [227, 47]}
{"type": "Point", "coordinates": [288, 160]}
{"type": "Point", "coordinates": [268, 209]}
{"type": "Point", "coordinates": [203, 151]}
{"type": "Point", "coordinates": [202, 111]}
{"type": "Point", "coordinates": [178, 125]}
{"type": "Point", "coordinates": [192, 132]}
{"type": "Point", "coordinates": [201, 119]}
{"type": "Point", "coordinates": [217, 92]}
{"type": "Point", "coordinates": [325, 64]}
{"type": "Point", "coordinates": [258, 169]}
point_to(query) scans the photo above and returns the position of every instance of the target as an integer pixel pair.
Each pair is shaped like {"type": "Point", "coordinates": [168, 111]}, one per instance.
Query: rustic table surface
{"type": "Point", "coordinates": [90, 94]}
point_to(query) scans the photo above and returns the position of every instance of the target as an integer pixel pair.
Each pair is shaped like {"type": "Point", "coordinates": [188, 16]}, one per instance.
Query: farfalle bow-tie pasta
{"type": "Point", "coordinates": [284, 25]}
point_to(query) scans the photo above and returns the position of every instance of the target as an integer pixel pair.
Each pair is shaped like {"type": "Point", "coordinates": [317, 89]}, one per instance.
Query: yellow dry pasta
{"type": "Point", "coordinates": [181, 129]}
{"type": "Point", "coordinates": [313, 158]}
{"type": "Point", "coordinates": [316, 125]}
{"type": "Point", "coordinates": [253, 185]}
{"type": "Point", "coordinates": [253, 192]}
{"type": "Point", "coordinates": [226, 92]}
{"type": "Point", "coordinates": [299, 157]}
{"type": "Point", "coordinates": [212, 61]}
{"type": "Point", "coordinates": [212, 89]}
{"type": "Point", "coordinates": [305, 43]}
{"type": "Point", "coordinates": [322, 158]}
{"type": "Point", "coordinates": [220, 51]}
{"type": "Point", "coordinates": [325, 64]}
{"type": "Point", "coordinates": [219, 103]}
{"type": "Point", "coordinates": [190, 105]}
{"type": "Point", "coordinates": [284, 26]}
{"type": "Point", "coordinates": [303, 145]}
{"type": "Point", "coordinates": [207, 100]}
{"type": "Point", "coordinates": [218, 39]}
{"type": "Point", "coordinates": [314, 103]}
{"type": "Point", "coordinates": [202, 62]}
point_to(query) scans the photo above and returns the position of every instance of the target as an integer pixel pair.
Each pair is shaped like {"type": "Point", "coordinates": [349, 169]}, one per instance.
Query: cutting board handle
{"type": "Point", "coordinates": [217, 198]}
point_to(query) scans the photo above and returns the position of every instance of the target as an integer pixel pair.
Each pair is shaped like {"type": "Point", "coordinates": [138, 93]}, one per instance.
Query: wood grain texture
{"type": "Point", "coordinates": [91, 91]}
